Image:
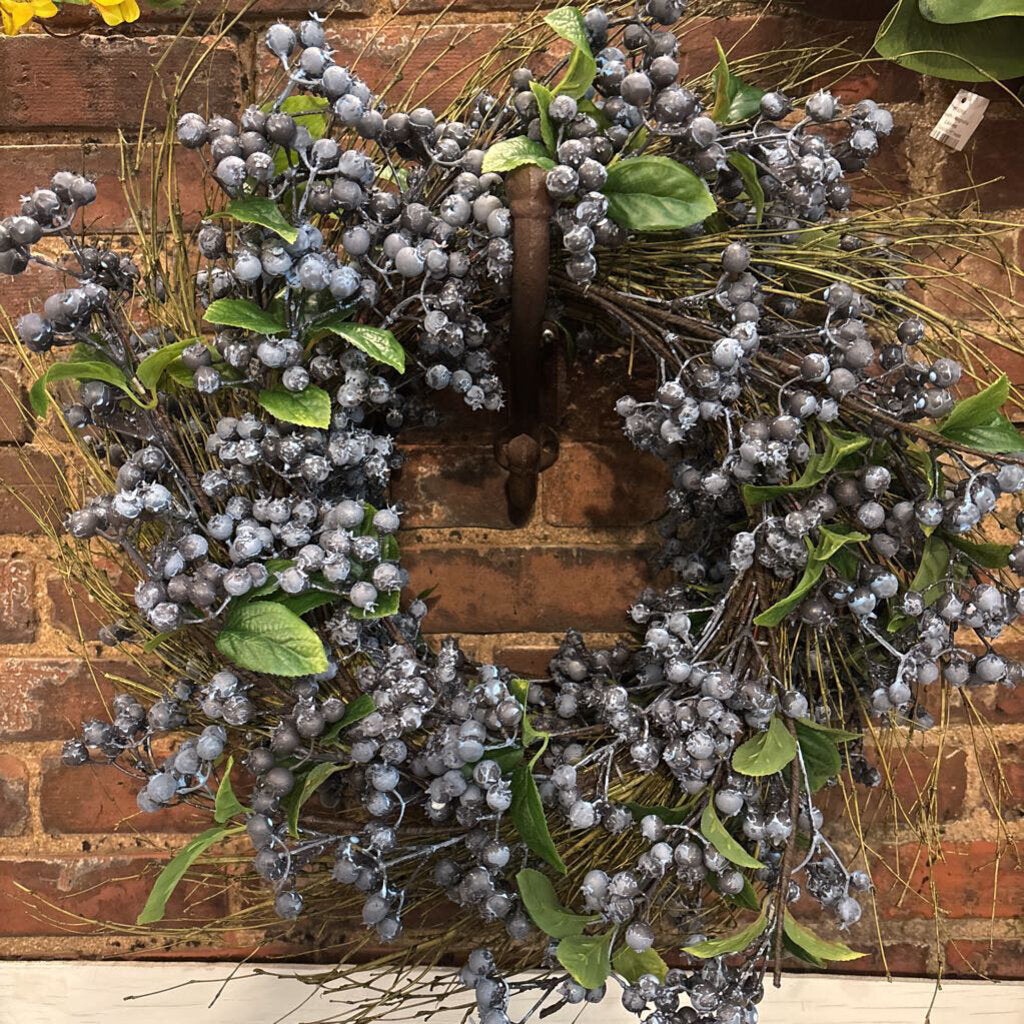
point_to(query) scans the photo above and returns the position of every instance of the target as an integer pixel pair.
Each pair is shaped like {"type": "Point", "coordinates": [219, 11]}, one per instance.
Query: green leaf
{"type": "Point", "coordinates": [96, 369]}
{"type": "Point", "coordinates": [930, 572]}
{"type": "Point", "coordinates": [746, 897]}
{"type": "Point", "coordinates": [735, 100]}
{"type": "Point", "coordinates": [579, 76]}
{"type": "Point", "coordinates": [820, 755]}
{"type": "Point", "coordinates": [805, 940]}
{"type": "Point", "coordinates": [795, 951]}
{"type": "Point", "coordinates": [262, 211]}
{"type": "Point", "coordinates": [527, 813]}
{"type": "Point", "coordinates": [839, 445]}
{"type": "Point", "coordinates": [974, 52]}
{"type": "Point", "coordinates": [309, 111]}
{"type": "Point", "coordinates": [311, 782]}
{"type": "Point", "coordinates": [585, 957]}
{"type": "Point", "coordinates": [545, 908]}
{"type": "Point", "coordinates": [748, 172]}
{"type": "Point", "coordinates": [376, 342]}
{"type": "Point", "coordinates": [957, 12]}
{"type": "Point", "coordinates": [832, 541]}
{"type": "Point", "coordinates": [544, 96]}
{"type": "Point", "coordinates": [976, 421]}
{"type": "Point", "coordinates": [243, 314]}
{"type": "Point", "coordinates": [730, 943]}
{"type": "Point", "coordinates": [989, 556]}
{"type": "Point", "coordinates": [152, 368]}
{"type": "Point", "coordinates": [766, 753]}
{"type": "Point", "coordinates": [838, 735]}
{"type": "Point", "coordinates": [225, 804]}
{"type": "Point", "coordinates": [309, 408]}
{"type": "Point", "coordinates": [168, 879]}
{"type": "Point", "coordinates": [591, 109]}
{"type": "Point", "coordinates": [300, 604]}
{"type": "Point", "coordinates": [520, 690]}
{"type": "Point", "coordinates": [356, 711]}
{"type": "Point", "coordinates": [385, 605]}
{"type": "Point", "coordinates": [266, 637]}
{"type": "Point", "coordinates": [669, 815]}
{"type": "Point", "coordinates": [509, 154]}
{"type": "Point", "coordinates": [712, 829]}
{"type": "Point", "coordinates": [656, 193]}
{"type": "Point", "coordinates": [633, 966]}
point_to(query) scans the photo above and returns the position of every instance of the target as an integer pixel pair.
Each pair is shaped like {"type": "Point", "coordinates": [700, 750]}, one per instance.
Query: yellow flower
{"type": "Point", "coordinates": [17, 14]}
{"type": "Point", "coordinates": [114, 12]}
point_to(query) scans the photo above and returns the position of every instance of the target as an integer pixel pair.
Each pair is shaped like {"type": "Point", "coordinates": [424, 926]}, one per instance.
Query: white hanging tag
{"type": "Point", "coordinates": [960, 119]}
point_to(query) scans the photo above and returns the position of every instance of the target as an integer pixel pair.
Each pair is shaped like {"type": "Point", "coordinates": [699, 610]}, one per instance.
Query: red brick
{"type": "Point", "coordinates": [772, 35]}
{"type": "Point", "coordinates": [998, 959]}
{"type": "Point", "coordinates": [204, 13]}
{"type": "Point", "coordinates": [594, 385]}
{"type": "Point", "coordinates": [490, 589]}
{"type": "Point", "coordinates": [987, 161]}
{"type": "Point", "coordinates": [99, 798]}
{"type": "Point", "coordinates": [452, 485]}
{"type": "Point", "coordinates": [603, 485]}
{"type": "Point", "coordinates": [1005, 785]}
{"type": "Point", "coordinates": [29, 490]}
{"type": "Point", "coordinates": [109, 891]}
{"type": "Point", "coordinates": [42, 80]}
{"type": "Point", "coordinates": [526, 660]}
{"type": "Point", "coordinates": [13, 796]}
{"type": "Point", "coordinates": [964, 882]}
{"type": "Point", "coordinates": [1009, 704]}
{"type": "Point", "coordinates": [447, 50]}
{"type": "Point", "coordinates": [15, 426]}
{"type": "Point", "coordinates": [31, 287]}
{"type": "Point", "coordinates": [49, 698]}
{"type": "Point", "coordinates": [74, 610]}
{"type": "Point", "coordinates": [24, 166]}
{"type": "Point", "coordinates": [910, 770]}
{"type": "Point", "coordinates": [17, 601]}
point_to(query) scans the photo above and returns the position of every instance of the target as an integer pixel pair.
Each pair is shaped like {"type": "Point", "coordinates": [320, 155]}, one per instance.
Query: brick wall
{"type": "Point", "coordinates": [507, 592]}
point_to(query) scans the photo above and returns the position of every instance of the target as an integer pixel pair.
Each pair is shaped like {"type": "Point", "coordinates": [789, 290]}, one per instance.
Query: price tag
{"type": "Point", "coordinates": [960, 119]}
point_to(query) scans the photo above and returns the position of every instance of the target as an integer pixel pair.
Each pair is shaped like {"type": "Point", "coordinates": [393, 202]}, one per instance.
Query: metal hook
{"type": "Point", "coordinates": [527, 446]}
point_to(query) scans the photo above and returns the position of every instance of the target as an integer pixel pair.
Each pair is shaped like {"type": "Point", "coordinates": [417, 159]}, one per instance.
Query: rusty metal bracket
{"type": "Point", "coordinates": [528, 445]}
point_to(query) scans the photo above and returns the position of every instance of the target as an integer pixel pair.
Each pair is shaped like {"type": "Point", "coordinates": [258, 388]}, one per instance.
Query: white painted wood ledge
{"type": "Point", "coordinates": [76, 992]}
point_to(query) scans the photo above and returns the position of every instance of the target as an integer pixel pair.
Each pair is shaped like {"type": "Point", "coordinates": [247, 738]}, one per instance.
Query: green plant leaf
{"type": "Point", "coordinates": [839, 446]}
{"type": "Point", "coordinates": [958, 12]}
{"type": "Point", "coordinates": [987, 555]}
{"type": "Point", "coordinates": [748, 172]}
{"type": "Point", "coordinates": [735, 100]}
{"type": "Point", "coordinates": [656, 193]}
{"type": "Point", "coordinates": [309, 111]}
{"type": "Point", "coordinates": [225, 804]}
{"type": "Point", "coordinates": [152, 368]}
{"type": "Point", "coordinates": [527, 813]}
{"type": "Point", "coordinates": [266, 637]}
{"type": "Point", "coordinates": [545, 908]}
{"type": "Point", "coordinates": [93, 369]}
{"type": "Point", "coordinates": [977, 421]}
{"type": "Point", "coordinates": [377, 343]}
{"type": "Point", "coordinates": [820, 755]}
{"type": "Point", "coordinates": [766, 753]}
{"type": "Point", "coordinates": [243, 314]}
{"type": "Point", "coordinates": [300, 604]}
{"type": "Point", "coordinates": [712, 829]}
{"type": "Point", "coordinates": [669, 815]}
{"type": "Point", "coordinates": [309, 408]}
{"type": "Point", "coordinates": [837, 735]}
{"type": "Point", "coordinates": [585, 957]}
{"type": "Point", "coordinates": [168, 879]}
{"type": "Point", "coordinates": [730, 943]}
{"type": "Point", "coordinates": [579, 76]}
{"type": "Point", "coordinates": [800, 954]}
{"type": "Point", "coordinates": [509, 154]}
{"type": "Point", "coordinates": [544, 96]}
{"type": "Point", "coordinates": [832, 540]}
{"type": "Point", "coordinates": [808, 942]}
{"type": "Point", "coordinates": [311, 782]}
{"type": "Point", "coordinates": [520, 689]}
{"type": "Point", "coordinates": [633, 966]}
{"type": "Point", "coordinates": [356, 711]}
{"type": "Point", "coordinates": [385, 605]}
{"type": "Point", "coordinates": [973, 52]}
{"type": "Point", "coordinates": [262, 211]}
{"type": "Point", "coordinates": [930, 571]}
{"type": "Point", "coordinates": [746, 897]}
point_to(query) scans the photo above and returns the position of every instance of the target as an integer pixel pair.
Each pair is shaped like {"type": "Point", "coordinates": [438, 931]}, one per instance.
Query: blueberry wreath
{"type": "Point", "coordinates": [645, 817]}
